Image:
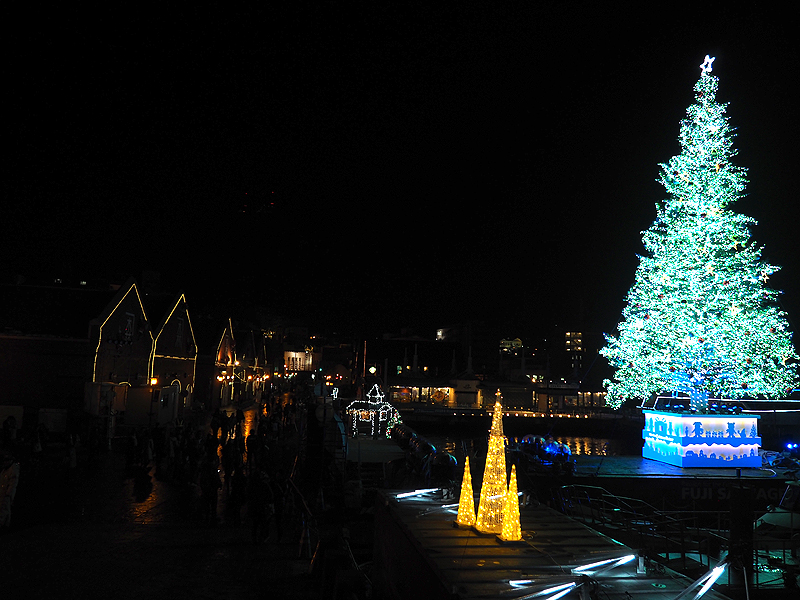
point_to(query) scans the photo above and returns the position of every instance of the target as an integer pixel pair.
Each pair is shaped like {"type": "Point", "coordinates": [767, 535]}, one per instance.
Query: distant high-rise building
{"type": "Point", "coordinates": [573, 344]}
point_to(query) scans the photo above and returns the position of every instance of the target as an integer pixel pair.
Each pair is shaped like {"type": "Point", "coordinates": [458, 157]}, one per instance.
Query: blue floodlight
{"type": "Point", "coordinates": [715, 574]}
{"type": "Point", "coordinates": [704, 583]}
{"type": "Point", "coordinates": [562, 594]}
{"type": "Point", "coordinates": [557, 591]}
{"type": "Point", "coordinates": [603, 565]}
{"type": "Point", "coordinates": [416, 493]}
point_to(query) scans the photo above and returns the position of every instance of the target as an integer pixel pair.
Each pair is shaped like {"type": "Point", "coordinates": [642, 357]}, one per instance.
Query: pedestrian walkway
{"type": "Point", "coordinates": [137, 561]}
{"type": "Point", "coordinates": [105, 529]}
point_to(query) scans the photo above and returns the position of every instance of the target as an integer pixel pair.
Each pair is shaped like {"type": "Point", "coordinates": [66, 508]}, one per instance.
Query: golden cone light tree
{"type": "Point", "coordinates": [466, 503]}
{"type": "Point", "coordinates": [512, 532]}
{"type": "Point", "coordinates": [493, 488]}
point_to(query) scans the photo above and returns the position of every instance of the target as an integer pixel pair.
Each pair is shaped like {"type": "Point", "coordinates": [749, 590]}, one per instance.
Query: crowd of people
{"type": "Point", "coordinates": [244, 459]}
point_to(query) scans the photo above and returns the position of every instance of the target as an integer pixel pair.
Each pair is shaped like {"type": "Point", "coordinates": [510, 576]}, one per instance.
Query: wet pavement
{"type": "Point", "coordinates": [134, 560]}
{"type": "Point", "coordinates": [108, 531]}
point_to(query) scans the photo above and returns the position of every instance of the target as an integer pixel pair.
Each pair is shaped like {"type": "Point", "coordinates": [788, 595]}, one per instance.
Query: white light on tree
{"type": "Point", "coordinates": [699, 318]}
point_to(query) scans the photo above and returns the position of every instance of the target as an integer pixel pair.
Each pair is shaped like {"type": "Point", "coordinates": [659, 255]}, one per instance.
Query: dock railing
{"type": "Point", "coordinates": [687, 542]}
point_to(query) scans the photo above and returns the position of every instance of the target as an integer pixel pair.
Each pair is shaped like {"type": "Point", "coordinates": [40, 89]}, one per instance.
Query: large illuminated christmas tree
{"type": "Point", "coordinates": [700, 318]}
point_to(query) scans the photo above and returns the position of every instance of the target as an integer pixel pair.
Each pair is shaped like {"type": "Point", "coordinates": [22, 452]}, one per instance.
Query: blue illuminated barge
{"type": "Point", "coordinates": [688, 462]}
{"type": "Point", "coordinates": [668, 487]}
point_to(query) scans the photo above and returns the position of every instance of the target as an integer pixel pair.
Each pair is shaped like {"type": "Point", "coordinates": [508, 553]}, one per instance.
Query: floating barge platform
{"type": "Point", "coordinates": [419, 553]}
{"type": "Point", "coordinates": [666, 486]}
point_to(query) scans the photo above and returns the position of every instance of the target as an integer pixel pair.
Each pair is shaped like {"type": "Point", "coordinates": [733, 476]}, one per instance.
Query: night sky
{"type": "Point", "coordinates": [376, 167]}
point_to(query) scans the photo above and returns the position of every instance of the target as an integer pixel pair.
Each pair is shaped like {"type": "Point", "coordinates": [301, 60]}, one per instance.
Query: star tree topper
{"type": "Point", "coordinates": [706, 66]}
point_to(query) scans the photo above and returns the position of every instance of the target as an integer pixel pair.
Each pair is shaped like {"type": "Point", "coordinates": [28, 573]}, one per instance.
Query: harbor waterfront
{"type": "Point", "coordinates": [616, 465]}
{"type": "Point", "coordinates": [449, 301]}
{"type": "Point", "coordinates": [685, 519]}
{"type": "Point", "coordinates": [778, 423]}
{"type": "Point", "coordinates": [337, 533]}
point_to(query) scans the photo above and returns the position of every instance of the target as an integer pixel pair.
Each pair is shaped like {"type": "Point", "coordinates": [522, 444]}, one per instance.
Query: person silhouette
{"type": "Point", "coordinates": [9, 477]}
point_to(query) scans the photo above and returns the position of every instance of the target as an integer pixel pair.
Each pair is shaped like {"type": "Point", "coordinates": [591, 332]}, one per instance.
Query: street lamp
{"type": "Point", "coordinates": [153, 399]}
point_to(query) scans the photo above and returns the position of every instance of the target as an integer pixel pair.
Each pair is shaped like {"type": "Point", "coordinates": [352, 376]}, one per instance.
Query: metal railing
{"type": "Point", "coordinates": [688, 542]}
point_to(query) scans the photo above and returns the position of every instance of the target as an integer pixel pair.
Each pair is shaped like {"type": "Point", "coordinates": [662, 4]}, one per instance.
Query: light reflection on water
{"type": "Point", "coordinates": [588, 446]}
{"type": "Point", "coordinates": [579, 445]}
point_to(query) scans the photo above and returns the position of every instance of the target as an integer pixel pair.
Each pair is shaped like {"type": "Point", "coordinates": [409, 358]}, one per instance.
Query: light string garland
{"type": "Point", "coordinates": [699, 318]}
{"type": "Point", "coordinates": [376, 411]}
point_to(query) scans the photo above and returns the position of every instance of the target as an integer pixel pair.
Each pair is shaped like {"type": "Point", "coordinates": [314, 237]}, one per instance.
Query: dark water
{"type": "Point", "coordinates": [584, 438]}
{"type": "Point", "coordinates": [579, 445]}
